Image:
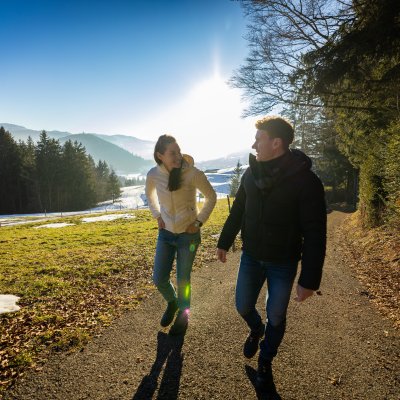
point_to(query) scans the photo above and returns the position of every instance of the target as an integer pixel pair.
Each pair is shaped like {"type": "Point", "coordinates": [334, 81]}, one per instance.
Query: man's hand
{"type": "Point", "coordinates": [161, 223]}
{"type": "Point", "coordinates": [221, 254]}
{"type": "Point", "coordinates": [303, 293]}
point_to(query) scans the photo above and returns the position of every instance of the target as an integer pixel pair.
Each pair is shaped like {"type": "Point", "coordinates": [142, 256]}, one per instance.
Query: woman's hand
{"type": "Point", "coordinates": [161, 223]}
{"type": "Point", "coordinates": [192, 228]}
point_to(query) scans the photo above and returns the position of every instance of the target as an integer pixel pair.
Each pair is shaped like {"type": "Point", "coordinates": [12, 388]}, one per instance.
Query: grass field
{"type": "Point", "coordinates": [74, 280]}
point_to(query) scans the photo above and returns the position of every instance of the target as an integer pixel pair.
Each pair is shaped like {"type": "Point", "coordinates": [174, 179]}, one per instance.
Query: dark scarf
{"type": "Point", "coordinates": [268, 173]}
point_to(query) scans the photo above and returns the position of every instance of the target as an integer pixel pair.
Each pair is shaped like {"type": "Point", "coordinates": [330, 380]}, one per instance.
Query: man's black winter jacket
{"type": "Point", "coordinates": [281, 212]}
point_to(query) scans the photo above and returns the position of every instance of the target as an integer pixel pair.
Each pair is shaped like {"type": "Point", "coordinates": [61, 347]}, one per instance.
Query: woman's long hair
{"type": "Point", "coordinates": [174, 180]}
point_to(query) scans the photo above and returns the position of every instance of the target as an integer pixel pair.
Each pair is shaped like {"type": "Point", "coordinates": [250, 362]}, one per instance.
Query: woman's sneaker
{"type": "Point", "coordinates": [251, 344]}
{"type": "Point", "coordinates": [181, 322]}
{"type": "Point", "coordinates": [169, 314]}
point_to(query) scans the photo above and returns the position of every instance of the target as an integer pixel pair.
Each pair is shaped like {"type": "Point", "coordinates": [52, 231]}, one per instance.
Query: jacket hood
{"type": "Point", "coordinates": [188, 161]}
{"type": "Point", "coordinates": [299, 158]}
{"type": "Point", "coordinates": [268, 173]}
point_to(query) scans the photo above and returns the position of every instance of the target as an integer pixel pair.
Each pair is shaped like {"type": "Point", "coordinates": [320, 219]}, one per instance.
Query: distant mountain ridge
{"type": "Point", "coordinates": [229, 161]}
{"type": "Point", "coordinates": [120, 159]}
{"type": "Point", "coordinates": [139, 147]}
{"type": "Point", "coordinates": [22, 133]}
{"type": "Point", "coordinates": [132, 155]}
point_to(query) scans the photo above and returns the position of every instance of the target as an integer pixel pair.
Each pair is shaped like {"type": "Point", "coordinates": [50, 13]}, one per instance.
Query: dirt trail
{"type": "Point", "coordinates": [337, 346]}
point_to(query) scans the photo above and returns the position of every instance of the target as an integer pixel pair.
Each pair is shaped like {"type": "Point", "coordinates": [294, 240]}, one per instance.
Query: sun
{"type": "Point", "coordinates": [207, 121]}
{"type": "Point", "coordinates": [212, 96]}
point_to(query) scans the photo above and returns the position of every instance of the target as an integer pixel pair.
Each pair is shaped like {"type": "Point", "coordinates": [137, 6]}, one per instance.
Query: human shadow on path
{"type": "Point", "coordinates": [252, 375]}
{"type": "Point", "coordinates": [169, 353]}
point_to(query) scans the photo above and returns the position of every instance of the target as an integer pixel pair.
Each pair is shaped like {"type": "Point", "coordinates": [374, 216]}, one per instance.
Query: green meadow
{"type": "Point", "coordinates": [74, 280]}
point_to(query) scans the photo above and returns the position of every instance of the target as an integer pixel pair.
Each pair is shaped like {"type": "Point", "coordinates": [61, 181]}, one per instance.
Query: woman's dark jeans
{"type": "Point", "coordinates": [184, 247]}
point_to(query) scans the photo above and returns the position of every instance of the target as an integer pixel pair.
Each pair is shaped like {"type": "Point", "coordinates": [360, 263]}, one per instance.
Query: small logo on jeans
{"type": "Point", "coordinates": [192, 246]}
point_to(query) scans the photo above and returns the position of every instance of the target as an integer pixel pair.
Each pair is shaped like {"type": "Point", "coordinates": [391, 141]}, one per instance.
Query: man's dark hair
{"type": "Point", "coordinates": [174, 180]}
{"type": "Point", "coordinates": [277, 127]}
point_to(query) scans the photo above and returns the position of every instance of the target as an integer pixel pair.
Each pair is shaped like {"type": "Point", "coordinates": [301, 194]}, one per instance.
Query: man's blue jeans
{"type": "Point", "coordinates": [184, 247]}
{"type": "Point", "coordinates": [251, 277]}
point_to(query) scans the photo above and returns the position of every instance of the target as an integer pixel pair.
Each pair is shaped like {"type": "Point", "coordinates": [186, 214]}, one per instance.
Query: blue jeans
{"type": "Point", "coordinates": [184, 247]}
{"type": "Point", "coordinates": [251, 277]}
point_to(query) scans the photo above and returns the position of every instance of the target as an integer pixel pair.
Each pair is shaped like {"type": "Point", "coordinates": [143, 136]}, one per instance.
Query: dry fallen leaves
{"type": "Point", "coordinates": [374, 256]}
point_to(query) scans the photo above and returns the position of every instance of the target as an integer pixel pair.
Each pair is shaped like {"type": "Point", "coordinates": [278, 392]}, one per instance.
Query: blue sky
{"type": "Point", "coordinates": [138, 67]}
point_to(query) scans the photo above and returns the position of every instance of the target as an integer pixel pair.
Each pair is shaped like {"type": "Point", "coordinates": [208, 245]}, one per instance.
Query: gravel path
{"type": "Point", "coordinates": [337, 346]}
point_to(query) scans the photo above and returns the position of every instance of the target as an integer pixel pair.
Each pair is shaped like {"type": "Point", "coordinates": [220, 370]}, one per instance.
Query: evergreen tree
{"type": "Point", "coordinates": [308, 123]}
{"type": "Point", "coordinates": [114, 186]}
{"type": "Point", "coordinates": [29, 179]}
{"type": "Point", "coordinates": [10, 167]}
{"type": "Point", "coordinates": [48, 164]}
{"type": "Point", "coordinates": [235, 179]}
{"type": "Point", "coordinates": [102, 172]}
{"type": "Point", "coordinates": [77, 179]}
{"type": "Point", "coordinates": [133, 181]}
{"type": "Point", "coordinates": [315, 135]}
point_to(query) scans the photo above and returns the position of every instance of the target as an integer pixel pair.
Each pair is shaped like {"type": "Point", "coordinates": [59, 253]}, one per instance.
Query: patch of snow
{"type": "Point", "coordinates": [55, 225]}
{"type": "Point", "coordinates": [231, 169]}
{"type": "Point", "coordinates": [8, 303]}
{"type": "Point", "coordinates": [132, 198]}
{"type": "Point", "coordinates": [110, 217]}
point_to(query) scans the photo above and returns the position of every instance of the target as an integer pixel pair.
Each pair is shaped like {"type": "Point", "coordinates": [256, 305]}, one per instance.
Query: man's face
{"type": "Point", "coordinates": [266, 147]}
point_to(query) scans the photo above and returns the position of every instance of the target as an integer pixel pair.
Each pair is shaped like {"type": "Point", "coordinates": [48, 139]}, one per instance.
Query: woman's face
{"type": "Point", "coordinates": [172, 157]}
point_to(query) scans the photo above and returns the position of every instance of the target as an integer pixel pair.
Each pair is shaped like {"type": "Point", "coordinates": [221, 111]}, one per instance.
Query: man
{"type": "Point", "coordinates": [280, 210]}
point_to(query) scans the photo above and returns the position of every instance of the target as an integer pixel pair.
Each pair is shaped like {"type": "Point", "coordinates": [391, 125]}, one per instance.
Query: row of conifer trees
{"type": "Point", "coordinates": [50, 177]}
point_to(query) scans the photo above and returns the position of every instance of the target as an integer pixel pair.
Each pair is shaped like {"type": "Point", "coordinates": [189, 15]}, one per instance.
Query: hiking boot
{"type": "Point", "coordinates": [181, 322]}
{"type": "Point", "coordinates": [169, 314]}
{"type": "Point", "coordinates": [251, 344]}
{"type": "Point", "coordinates": [265, 380]}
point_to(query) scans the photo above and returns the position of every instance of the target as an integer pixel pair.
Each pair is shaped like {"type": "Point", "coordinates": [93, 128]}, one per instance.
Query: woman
{"type": "Point", "coordinates": [171, 193]}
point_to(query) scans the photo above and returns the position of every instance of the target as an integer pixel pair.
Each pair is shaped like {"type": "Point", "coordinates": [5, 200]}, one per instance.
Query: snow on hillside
{"type": "Point", "coordinates": [132, 198]}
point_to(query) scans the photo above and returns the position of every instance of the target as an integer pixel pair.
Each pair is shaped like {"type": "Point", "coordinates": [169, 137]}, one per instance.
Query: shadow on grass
{"type": "Point", "coordinates": [252, 374]}
{"type": "Point", "coordinates": [169, 353]}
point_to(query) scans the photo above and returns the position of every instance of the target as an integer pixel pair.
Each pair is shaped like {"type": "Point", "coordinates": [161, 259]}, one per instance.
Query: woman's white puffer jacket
{"type": "Point", "coordinates": [178, 209]}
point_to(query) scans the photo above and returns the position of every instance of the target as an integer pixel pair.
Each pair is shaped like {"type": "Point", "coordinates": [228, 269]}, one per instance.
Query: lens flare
{"type": "Point", "coordinates": [187, 291]}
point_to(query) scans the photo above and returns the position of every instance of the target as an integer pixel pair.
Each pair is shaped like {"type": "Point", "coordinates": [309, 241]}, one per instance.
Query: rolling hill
{"type": "Point", "coordinates": [139, 147]}
{"type": "Point", "coordinates": [22, 133]}
{"type": "Point", "coordinates": [120, 159]}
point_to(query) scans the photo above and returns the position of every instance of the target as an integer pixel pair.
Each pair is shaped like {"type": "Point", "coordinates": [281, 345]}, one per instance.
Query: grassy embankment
{"type": "Point", "coordinates": [74, 280]}
{"type": "Point", "coordinates": [374, 255]}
